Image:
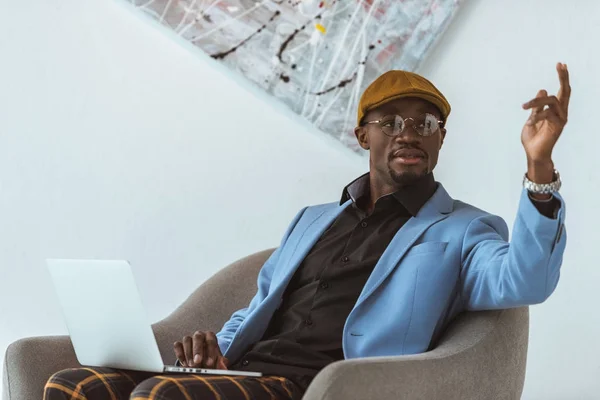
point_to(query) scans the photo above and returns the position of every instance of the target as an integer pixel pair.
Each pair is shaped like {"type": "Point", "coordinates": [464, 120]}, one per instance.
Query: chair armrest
{"type": "Point", "coordinates": [212, 304]}
{"type": "Point", "coordinates": [482, 356]}
{"type": "Point", "coordinates": [29, 363]}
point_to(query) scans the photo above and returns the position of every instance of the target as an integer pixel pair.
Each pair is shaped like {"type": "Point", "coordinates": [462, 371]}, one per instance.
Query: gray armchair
{"type": "Point", "coordinates": [481, 356]}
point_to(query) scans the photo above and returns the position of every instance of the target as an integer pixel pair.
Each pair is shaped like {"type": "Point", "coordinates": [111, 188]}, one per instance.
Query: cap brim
{"type": "Point", "coordinates": [425, 96]}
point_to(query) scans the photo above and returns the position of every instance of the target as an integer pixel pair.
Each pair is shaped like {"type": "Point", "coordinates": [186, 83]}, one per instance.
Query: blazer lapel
{"type": "Point", "coordinates": [306, 241]}
{"type": "Point", "coordinates": [436, 209]}
{"type": "Point", "coordinates": [299, 247]}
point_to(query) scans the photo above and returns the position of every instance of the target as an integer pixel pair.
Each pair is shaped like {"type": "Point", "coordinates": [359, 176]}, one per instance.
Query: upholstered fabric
{"type": "Point", "coordinates": [481, 356]}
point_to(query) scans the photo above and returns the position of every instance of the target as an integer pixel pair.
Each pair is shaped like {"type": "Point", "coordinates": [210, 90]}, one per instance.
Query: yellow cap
{"type": "Point", "coordinates": [397, 84]}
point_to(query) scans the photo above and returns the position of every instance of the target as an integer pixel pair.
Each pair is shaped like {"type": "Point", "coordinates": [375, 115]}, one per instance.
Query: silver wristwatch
{"type": "Point", "coordinates": [543, 188]}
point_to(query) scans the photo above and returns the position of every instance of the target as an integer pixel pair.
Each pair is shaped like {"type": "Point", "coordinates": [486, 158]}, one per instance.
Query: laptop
{"type": "Point", "coordinates": [106, 320]}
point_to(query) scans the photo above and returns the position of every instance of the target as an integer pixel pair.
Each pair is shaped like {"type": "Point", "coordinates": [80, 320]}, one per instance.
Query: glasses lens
{"type": "Point", "coordinates": [392, 125]}
{"type": "Point", "coordinates": [428, 125]}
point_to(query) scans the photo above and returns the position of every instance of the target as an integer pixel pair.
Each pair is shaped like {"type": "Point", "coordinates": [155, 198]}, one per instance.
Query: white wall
{"type": "Point", "coordinates": [495, 56]}
{"type": "Point", "coordinates": [117, 143]}
{"type": "Point", "coordinates": [99, 158]}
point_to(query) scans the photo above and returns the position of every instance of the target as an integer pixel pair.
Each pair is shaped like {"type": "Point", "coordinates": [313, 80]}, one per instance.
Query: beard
{"type": "Point", "coordinates": [407, 177]}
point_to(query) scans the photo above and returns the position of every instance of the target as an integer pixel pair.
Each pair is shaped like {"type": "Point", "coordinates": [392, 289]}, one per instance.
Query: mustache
{"type": "Point", "coordinates": [392, 153]}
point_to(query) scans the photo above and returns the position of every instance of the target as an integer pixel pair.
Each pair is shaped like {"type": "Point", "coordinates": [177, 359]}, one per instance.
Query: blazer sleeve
{"type": "Point", "coordinates": [225, 335]}
{"type": "Point", "coordinates": [497, 274]}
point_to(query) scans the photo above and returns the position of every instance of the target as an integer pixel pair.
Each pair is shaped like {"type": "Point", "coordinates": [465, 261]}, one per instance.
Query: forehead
{"type": "Point", "coordinates": [405, 106]}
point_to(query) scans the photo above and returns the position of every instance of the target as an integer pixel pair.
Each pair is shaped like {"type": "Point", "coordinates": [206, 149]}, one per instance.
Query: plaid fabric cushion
{"type": "Point", "coordinates": [105, 383]}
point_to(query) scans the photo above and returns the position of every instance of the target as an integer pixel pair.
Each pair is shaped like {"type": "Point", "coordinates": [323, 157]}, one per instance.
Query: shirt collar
{"type": "Point", "coordinates": [412, 197]}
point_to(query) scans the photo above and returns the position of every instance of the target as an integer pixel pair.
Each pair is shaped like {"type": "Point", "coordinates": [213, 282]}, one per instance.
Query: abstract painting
{"type": "Point", "coordinates": [316, 56]}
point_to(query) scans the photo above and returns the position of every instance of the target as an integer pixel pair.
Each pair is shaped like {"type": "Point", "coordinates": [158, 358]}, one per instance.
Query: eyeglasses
{"type": "Point", "coordinates": [393, 125]}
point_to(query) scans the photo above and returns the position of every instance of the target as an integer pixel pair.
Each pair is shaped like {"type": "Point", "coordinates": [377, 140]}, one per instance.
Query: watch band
{"type": "Point", "coordinates": [543, 188]}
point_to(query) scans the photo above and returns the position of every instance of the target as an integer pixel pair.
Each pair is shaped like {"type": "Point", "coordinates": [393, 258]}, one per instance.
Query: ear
{"type": "Point", "coordinates": [362, 137]}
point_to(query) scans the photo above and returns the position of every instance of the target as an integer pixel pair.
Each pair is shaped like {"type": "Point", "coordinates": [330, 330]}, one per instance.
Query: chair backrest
{"type": "Point", "coordinates": [233, 287]}
{"type": "Point", "coordinates": [211, 304]}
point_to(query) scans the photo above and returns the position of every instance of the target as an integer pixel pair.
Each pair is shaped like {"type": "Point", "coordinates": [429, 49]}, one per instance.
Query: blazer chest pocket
{"type": "Point", "coordinates": [428, 248]}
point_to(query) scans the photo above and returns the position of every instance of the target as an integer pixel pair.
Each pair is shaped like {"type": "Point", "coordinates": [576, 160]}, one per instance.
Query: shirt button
{"type": "Point", "coordinates": [308, 322]}
{"type": "Point", "coordinates": [324, 285]}
{"type": "Point", "coordinates": [363, 224]}
{"type": "Point", "coordinates": [245, 363]}
{"type": "Point", "coordinates": [345, 259]}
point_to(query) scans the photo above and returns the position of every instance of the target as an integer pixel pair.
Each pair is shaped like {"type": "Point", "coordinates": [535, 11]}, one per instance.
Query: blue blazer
{"type": "Point", "coordinates": [449, 258]}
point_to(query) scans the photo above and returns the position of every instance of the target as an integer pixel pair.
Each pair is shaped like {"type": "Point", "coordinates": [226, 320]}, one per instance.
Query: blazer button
{"type": "Point", "coordinates": [308, 322]}
{"type": "Point", "coordinates": [345, 259]}
{"type": "Point", "coordinates": [245, 363]}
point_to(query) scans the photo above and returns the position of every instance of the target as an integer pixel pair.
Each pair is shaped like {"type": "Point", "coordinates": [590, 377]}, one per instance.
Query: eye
{"type": "Point", "coordinates": [428, 125]}
{"type": "Point", "coordinates": [392, 121]}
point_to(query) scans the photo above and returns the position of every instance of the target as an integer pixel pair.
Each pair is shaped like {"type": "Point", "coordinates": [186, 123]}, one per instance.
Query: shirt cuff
{"type": "Point", "coordinates": [548, 208]}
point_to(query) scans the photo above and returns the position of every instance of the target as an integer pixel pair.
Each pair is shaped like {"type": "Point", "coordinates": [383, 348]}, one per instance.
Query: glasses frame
{"type": "Point", "coordinates": [379, 121]}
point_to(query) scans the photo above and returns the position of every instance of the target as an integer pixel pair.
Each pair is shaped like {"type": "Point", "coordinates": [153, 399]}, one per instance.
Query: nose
{"type": "Point", "coordinates": [409, 134]}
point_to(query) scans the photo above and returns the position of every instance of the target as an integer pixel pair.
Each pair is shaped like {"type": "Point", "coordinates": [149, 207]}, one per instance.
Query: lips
{"type": "Point", "coordinates": [409, 153]}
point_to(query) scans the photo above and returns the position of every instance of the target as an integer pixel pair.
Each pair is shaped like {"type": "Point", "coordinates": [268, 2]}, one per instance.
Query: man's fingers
{"type": "Point", "coordinates": [549, 114]}
{"type": "Point", "coordinates": [560, 101]}
{"type": "Point", "coordinates": [198, 348]}
{"type": "Point", "coordinates": [187, 350]}
{"type": "Point", "coordinates": [540, 95]}
{"type": "Point", "coordinates": [564, 93]}
{"type": "Point", "coordinates": [212, 350]}
{"type": "Point", "coordinates": [223, 363]}
{"type": "Point", "coordinates": [539, 103]}
{"type": "Point", "coordinates": [534, 110]}
{"type": "Point", "coordinates": [178, 347]}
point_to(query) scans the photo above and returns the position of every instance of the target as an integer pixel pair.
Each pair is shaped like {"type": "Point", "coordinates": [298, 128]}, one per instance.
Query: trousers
{"type": "Point", "coordinates": [107, 383]}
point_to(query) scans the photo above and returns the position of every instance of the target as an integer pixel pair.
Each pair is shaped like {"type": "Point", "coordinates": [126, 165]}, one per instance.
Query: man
{"type": "Point", "coordinates": [383, 271]}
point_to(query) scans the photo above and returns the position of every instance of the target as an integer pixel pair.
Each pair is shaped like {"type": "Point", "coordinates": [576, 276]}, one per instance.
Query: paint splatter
{"type": "Point", "coordinates": [317, 62]}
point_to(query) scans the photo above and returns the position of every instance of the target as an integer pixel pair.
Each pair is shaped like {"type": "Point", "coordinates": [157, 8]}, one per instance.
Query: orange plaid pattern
{"type": "Point", "coordinates": [105, 383]}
